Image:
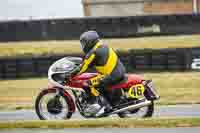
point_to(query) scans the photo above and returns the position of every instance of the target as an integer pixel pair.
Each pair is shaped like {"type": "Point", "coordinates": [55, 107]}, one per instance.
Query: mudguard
{"type": "Point", "coordinates": [64, 93]}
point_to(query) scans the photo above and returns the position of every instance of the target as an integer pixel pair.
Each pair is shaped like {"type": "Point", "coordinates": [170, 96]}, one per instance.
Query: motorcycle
{"type": "Point", "coordinates": [135, 95]}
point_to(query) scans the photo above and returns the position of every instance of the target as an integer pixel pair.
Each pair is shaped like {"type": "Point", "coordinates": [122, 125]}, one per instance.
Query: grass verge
{"type": "Point", "coordinates": [69, 47]}
{"type": "Point", "coordinates": [106, 123]}
{"type": "Point", "coordinates": [173, 87]}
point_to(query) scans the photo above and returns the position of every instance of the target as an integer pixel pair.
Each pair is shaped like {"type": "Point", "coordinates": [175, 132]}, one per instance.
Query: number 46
{"type": "Point", "coordinates": [136, 91]}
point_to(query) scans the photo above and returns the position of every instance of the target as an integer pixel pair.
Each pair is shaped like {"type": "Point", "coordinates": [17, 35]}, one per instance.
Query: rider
{"type": "Point", "coordinates": [104, 60]}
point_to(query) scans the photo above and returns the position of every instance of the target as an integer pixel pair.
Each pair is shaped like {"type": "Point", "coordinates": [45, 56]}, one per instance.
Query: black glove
{"type": "Point", "coordinates": [75, 71]}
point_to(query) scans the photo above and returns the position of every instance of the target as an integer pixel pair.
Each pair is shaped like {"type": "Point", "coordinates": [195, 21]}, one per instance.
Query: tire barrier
{"type": "Point", "coordinates": [180, 59]}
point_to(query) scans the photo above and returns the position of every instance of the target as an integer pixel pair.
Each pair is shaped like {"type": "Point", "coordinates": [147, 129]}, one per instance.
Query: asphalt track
{"type": "Point", "coordinates": [160, 111]}
{"type": "Point", "coordinates": [105, 130]}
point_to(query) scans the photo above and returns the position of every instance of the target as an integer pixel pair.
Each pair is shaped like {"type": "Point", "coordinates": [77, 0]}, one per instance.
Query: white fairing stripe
{"type": "Point", "coordinates": [59, 85]}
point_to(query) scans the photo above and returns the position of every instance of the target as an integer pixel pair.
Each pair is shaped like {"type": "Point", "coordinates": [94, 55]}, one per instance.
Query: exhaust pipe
{"type": "Point", "coordinates": [135, 106]}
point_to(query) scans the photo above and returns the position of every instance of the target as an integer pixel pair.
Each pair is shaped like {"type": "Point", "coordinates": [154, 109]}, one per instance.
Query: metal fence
{"type": "Point", "coordinates": [108, 27]}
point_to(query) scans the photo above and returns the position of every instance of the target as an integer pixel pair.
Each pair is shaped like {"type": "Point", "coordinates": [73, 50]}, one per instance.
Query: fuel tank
{"type": "Point", "coordinates": [131, 79]}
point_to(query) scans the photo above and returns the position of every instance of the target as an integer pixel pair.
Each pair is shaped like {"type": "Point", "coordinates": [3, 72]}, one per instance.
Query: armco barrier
{"type": "Point", "coordinates": [180, 59]}
{"type": "Point", "coordinates": [107, 27]}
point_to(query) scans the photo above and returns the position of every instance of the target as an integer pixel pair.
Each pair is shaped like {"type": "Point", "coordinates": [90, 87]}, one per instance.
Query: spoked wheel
{"type": "Point", "coordinates": [143, 112]}
{"type": "Point", "coordinates": [52, 106]}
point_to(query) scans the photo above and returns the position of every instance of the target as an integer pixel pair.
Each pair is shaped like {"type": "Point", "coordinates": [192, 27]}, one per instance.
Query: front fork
{"type": "Point", "coordinates": [77, 102]}
{"type": "Point", "coordinates": [61, 91]}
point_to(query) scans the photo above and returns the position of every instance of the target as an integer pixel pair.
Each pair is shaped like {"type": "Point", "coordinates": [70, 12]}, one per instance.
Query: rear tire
{"type": "Point", "coordinates": [149, 112]}
{"type": "Point", "coordinates": [52, 91]}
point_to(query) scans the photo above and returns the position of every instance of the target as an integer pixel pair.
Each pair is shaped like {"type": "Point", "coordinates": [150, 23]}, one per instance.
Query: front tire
{"type": "Point", "coordinates": [48, 114]}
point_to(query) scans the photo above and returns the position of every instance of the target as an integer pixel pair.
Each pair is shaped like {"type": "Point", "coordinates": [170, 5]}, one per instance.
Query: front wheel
{"type": "Point", "coordinates": [51, 105]}
{"type": "Point", "coordinates": [143, 112]}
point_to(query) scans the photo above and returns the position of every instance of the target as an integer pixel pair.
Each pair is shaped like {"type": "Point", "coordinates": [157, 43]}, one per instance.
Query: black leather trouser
{"type": "Point", "coordinates": [114, 78]}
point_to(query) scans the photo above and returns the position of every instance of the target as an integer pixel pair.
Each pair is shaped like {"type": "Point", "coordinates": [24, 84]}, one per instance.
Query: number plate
{"type": "Point", "coordinates": [136, 91]}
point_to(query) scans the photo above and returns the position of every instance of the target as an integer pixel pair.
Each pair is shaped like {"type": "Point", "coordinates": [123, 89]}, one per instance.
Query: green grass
{"type": "Point", "coordinates": [106, 123]}
{"type": "Point", "coordinates": [177, 87]}
{"type": "Point", "coordinates": [21, 93]}
{"type": "Point", "coordinates": [173, 87]}
{"type": "Point", "coordinates": [68, 47]}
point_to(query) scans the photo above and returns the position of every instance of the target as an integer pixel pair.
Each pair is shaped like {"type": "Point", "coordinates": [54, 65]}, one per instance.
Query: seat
{"type": "Point", "coordinates": [130, 79]}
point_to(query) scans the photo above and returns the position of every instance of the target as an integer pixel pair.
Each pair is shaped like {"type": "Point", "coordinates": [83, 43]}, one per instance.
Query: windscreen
{"type": "Point", "coordinates": [63, 65]}
{"type": "Point", "coordinates": [62, 69]}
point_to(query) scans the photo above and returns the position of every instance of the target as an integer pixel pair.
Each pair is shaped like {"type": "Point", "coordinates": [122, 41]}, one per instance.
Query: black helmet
{"type": "Point", "coordinates": [88, 40]}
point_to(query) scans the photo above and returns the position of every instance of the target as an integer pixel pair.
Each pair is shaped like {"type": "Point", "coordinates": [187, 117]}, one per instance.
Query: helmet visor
{"type": "Point", "coordinates": [83, 44]}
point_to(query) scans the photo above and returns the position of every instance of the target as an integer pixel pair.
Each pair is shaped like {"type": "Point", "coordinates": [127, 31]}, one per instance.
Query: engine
{"type": "Point", "coordinates": [89, 105]}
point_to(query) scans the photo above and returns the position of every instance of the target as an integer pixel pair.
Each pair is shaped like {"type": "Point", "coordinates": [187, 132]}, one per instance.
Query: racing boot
{"type": "Point", "coordinates": [105, 106]}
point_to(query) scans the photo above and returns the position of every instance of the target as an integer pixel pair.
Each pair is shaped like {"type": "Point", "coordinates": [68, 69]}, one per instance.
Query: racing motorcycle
{"type": "Point", "coordinates": [65, 94]}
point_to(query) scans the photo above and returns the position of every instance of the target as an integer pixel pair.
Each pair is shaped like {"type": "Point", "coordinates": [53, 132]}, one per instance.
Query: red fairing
{"type": "Point", "coordinates": [79, 80]}
{"type": "Point", "coordinates": [133, 79]}
{"type": "Point", "coordinates": [85, 76]}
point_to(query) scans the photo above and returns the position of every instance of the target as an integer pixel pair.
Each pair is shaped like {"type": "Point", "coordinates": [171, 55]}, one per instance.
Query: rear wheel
{"type": "Point", "coordinates": [143, 112]}
{"type": "Point", "coordinates": [52, 106]}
